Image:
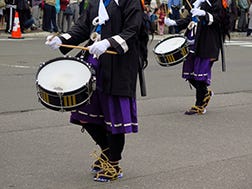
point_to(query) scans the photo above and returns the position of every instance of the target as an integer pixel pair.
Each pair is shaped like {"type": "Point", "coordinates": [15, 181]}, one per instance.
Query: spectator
{"type": "Point", "coordinates": [75, 7]}
{"type": "Point", "coordinates": [36, 11]}
{"type": "Point", "coordinates": [161, 23]}
{"type": "Point", "coordinates": [49, 16]}
{"type": "Point", "coordinates": [153, 5]}
{"type": "Point", "coordinates": [242, 22]}
{"type": "Point", "coordinates": [57, 8]}
{"type": "Point", "coordinates": [82, 4]}
{"type": "Point", "coordinates": [62, 18]}
{"type": "Point", "coordinates": [233, 10]}
{"type": "Point", "coordinates": [25, 18]}
{"type": "Point", "coordinates": [154, 20]}
{"type": "Point", "coordinates": [2, 17]}
{"type": "Point", "coordinates": [11, 6]}
{"type": "Point", "coordinates": [67, 18]}
{"type": "Point", "coordinates": [249, 31]}
{"type": "Point", "coordinates": [173, 8]}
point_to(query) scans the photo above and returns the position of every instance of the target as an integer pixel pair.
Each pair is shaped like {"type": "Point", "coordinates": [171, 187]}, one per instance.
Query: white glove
{"type": "Point", "coordinates": [197, 12]}
{"type": "Point", "coordinates": [98, 48]}
{"type": "Point", "coordinates": [53, 42]}
{"type": "Point", "coordinates": [169, 22]}
{"type": "Point", "coordinates": [197, 3]}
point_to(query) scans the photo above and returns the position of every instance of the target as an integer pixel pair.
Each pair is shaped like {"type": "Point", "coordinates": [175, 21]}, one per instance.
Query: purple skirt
{"type": "Point", "coordinates": [118, 114]}
{"type": "Point", "coordinates": [197, 68]}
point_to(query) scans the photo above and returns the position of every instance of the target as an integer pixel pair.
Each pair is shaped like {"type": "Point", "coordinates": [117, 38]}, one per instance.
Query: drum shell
{"type": "Point", "coordinates": [66, 101]}
{"type": "Point", "coordinates": [174, 57]}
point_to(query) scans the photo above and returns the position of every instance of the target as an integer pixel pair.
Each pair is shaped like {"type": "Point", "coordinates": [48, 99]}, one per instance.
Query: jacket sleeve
{"type": "Point", "coordinates": [132, 19]}
{"type": "Point", "coordinates": [213, 11]}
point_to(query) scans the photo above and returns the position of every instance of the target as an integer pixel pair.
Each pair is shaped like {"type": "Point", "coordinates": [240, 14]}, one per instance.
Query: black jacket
{"type": "Point", "coordinates": [119, 72]}
{"type": "Point", "coordinates": [208, 35]}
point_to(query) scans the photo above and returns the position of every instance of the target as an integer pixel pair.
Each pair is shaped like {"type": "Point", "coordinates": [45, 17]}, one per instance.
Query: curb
{"type": "Point", "coordinates": [30, 34]}
{"type": "Point", "coordinates": [156, 37]}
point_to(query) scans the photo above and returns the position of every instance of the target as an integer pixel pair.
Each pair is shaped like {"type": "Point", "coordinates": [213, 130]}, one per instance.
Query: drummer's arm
{"type": "Point", "coordinates": [132, 15]}
{"type": "Point", "coordinates": [183, 22]}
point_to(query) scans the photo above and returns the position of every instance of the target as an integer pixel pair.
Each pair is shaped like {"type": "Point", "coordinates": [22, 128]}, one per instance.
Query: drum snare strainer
{"type": "Point", "coordinates": [65, 83]}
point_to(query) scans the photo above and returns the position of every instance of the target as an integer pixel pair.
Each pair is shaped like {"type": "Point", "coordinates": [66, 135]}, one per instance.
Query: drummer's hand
{"type": "Point", "coordinates": [197, 3]}
{"type": "Point", "coordinates": [169, 22]}
{"type": "Point", "coordinates": [197, 12]}
{"type": "Point", "coordinates": [98, 48]}
{"type": "Point", "coordinates": [53, 42]}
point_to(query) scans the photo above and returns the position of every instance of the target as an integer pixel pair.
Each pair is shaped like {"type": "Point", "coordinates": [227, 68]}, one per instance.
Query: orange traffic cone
{"type": "Point", "coordinates": [16, 31]}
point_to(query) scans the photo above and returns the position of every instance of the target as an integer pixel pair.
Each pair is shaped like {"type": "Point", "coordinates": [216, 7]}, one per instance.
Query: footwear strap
{"type": "Point", "coordinates": [198, 109]}
{"type": "Point", "coordinates": [109, 172]}
{"type": "Point", "coordinates": [207, 98]}
{"type": "Point", "coordinates": [101, 159]}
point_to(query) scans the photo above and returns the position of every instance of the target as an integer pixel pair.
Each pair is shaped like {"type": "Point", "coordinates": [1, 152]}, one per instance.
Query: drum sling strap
{"type": "Point", "coordinates": [84, 53]}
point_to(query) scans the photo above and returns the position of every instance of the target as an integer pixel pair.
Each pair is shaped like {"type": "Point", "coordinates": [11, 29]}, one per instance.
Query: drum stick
{"type": "Point", "coordinates": [84, 48]}
{"type": "Point", "coordinates": [189, 4]}
{"type": "Point", "coordinates": [54, 35]}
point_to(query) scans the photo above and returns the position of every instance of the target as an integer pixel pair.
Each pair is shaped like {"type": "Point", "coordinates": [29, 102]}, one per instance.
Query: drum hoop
{"type": "Point", "coordinates": [79, 60]}
{"type": "Point", "coordinates": [42, 65]}
{"type": "Point", "coordinates": [64, 108]}
{"type": "Point", "coordinates": [177, 50]}
{"type": "Point", "coordinates": [175, 62]}
{"type": "Point", "coordinates": [89, 85]}
{"type": "Point", "coordinates": [170, 37]}
{"type": "Point", "coordinates": [55, 94]}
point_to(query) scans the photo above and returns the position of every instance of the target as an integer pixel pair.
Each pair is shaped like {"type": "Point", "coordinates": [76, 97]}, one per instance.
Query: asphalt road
{"type": "Point", "coordinates": [41, 150]}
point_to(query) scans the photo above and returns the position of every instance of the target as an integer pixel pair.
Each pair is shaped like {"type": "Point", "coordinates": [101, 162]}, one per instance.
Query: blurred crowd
{"type": "Point", "coordinates": [240, 12]}
{"type": "Point", "coordinates": [46, 15]}
{"type": "Point", "coordinates": [60, 15]}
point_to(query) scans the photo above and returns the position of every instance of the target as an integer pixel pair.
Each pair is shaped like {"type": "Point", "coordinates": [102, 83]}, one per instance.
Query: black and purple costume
{"type": "Point", "coordinates": [112, 111]}
{"type": "Point", "coordinates": [204, 38]}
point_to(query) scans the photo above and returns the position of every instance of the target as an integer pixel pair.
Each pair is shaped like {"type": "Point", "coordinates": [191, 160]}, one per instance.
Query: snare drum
{"type": "Point", "coordinates": [65, 83]}
{"type": "Point", "coordinates": [171, 51]}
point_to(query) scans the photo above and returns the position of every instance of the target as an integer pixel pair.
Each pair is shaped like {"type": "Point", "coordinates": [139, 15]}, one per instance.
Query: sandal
{"type": "Point", "coordinates": [207, 98]}
{"type": "Point", "coordinates": [109, 172]}
{"type": "Point", "coordinates": [196, 110]}
{"type": "Point", "coordinates": [98, 165]}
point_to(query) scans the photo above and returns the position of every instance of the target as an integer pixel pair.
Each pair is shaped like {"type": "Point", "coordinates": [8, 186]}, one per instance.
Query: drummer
{"type": "Point", "coordinates": [205, 42]}
{"type": "Point", "coordinates": [112, 111]}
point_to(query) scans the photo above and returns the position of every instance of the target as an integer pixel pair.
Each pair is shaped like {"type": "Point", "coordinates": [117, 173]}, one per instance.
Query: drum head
{"type": "Point", "coordinates": [169, 44]}
{"type": "Point", "coordinates": [63, 75]}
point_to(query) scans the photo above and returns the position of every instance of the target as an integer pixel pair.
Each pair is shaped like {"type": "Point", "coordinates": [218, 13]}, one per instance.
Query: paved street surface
{"type": "Point", "coordinates": [41, 150]}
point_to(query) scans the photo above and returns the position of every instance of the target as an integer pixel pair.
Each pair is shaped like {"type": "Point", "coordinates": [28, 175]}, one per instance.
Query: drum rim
{"type": "Point", "coordinates": [42, 65]}
{"type": "Point", "coordinates": [174, 63]}
{"type": "Point", "coordinates": [89, 85]}
{"type": "Point", "coordinates": [169, 37]}
{"type": "Point", "coordinates": [64, 108]}
{"type": "Point", "coordinates": [59, 92]}
{"type": "Point", "coordinates": [75, 92]}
